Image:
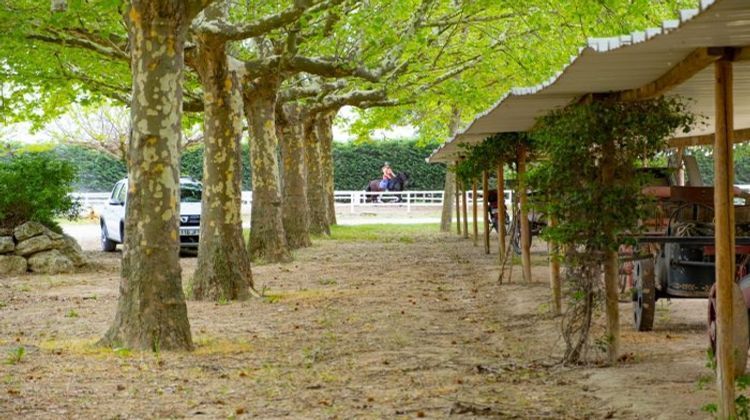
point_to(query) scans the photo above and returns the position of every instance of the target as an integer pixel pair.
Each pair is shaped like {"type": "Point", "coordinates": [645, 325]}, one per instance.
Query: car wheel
{"type": "Point", "coordinates": [108, 245]}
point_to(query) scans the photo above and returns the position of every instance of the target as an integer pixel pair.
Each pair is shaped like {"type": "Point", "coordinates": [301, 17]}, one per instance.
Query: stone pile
{"type": "Point", "coordinates": [34, 247]}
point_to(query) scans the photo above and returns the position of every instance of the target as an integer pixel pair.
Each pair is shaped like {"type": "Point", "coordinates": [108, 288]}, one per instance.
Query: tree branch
{"type": "Point", "coordinates": [99, 47]}
{"type": "Point", "coordinates": [233, 32]}
{"type": "Point", "coordinates": [317, 89]}
{"type": "Point", "coordinates": [353, 98]}
{"type": "Point", "coordinates": [329, 68]}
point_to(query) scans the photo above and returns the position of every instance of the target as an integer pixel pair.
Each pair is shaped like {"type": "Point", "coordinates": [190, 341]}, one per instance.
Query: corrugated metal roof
{"type": "Point", "coordinates": [628, 62]}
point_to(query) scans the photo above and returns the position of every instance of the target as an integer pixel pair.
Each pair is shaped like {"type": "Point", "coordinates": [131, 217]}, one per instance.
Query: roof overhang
{"type": "Point", "coordinates": [628, 63]}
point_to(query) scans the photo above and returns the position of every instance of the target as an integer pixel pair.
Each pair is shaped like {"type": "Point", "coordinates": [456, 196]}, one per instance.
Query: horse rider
{"type": "Point", "coordinates": [388, 176]}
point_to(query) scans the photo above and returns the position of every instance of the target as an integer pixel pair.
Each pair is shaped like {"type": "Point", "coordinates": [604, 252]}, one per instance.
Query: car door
{"type": "Point", "coordinates": [118, 213]}
{"type": "Point", "coordinates": [110, 213]}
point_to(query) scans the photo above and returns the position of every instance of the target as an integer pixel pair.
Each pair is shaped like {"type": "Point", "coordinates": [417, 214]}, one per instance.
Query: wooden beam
{"type": "Point", "coordinates": [458, 204]}
{"type": "Point", "coordinates": [474, 211]}
{"type": "Point", "coordinates": [678, 74]}
{"type": "Point", "coordinates": [738, 136]}
{"type": "Point", "coordinates": [724, 231]}
{"type": "Point", "coordinates": [741, 54]}
{"type": "Point", "coordinates": [465, 209]}
{"type": "Point", "coordinates": [554, 272]}
{"type": "Point", "coordinates": [501, 210]}
{"type": "Point", "coordinates": [486, 210]}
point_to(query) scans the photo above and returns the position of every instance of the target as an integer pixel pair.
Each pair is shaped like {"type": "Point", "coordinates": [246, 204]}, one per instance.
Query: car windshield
{"type": "Point", "coordinates": [190, 193]}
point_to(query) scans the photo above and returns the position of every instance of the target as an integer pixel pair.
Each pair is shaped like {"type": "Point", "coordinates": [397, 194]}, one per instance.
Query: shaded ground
{"type": "Point", "coordinates": [406, 323]}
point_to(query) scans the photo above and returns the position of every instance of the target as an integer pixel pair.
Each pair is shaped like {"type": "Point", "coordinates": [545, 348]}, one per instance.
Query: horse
{"type": "Point", "coordinates": [398, 183]}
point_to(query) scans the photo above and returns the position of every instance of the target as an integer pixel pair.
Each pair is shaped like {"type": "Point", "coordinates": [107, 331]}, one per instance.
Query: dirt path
{"type": "Point", "coordinates": [408, 326]}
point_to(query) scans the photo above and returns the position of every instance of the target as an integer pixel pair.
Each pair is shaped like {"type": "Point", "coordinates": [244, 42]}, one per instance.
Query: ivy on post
{"type": "Point", "coordinates": [501, 211]}
{"type": "Point", "coordinates": [593, 190]}
{"type": "Point", "coordinates": [522, 192]}
{"type": "Point", "coordinates": [486, 210]}
{"type": "Point", "coordinates": [487, 156]}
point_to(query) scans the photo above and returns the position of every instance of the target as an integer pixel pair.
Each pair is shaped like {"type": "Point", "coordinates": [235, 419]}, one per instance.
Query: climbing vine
{"type": "Point", "coordinates": [591, 183]}
{"type": "Point", "coordinates": [486, 155]}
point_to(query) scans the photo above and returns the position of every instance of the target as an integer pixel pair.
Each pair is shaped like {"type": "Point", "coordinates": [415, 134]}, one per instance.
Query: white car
{"type": "Point", "coordinates": [112, 219]}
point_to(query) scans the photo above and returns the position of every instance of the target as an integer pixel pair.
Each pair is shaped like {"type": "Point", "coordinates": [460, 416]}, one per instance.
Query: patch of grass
{"type": "Point", "coordinates": [381, 232]}
{"type": "Point", "coordinates": [271, 298]}
{"type": "Point", "coordinates": [23, 288]}
{"type": "Point", "coordinates": [2, 304]}
{"type": "Point", "coordinates": [15, 356]}
{"type": "Point", "coordinates": [406, 240]}
{"type": "Point", "coordinates": [662, 311]}
{"type": "Point", "coordinates": [327, 282]}
{"type": "Point", "coordinates": [71, 314]}
{"type": "Point", "coordinates": [82, 347]}
{"type": "Point", "coordinates": [77, 221]}
{"type": "Point", "coordinates": [123, 352]}
{"type": "Point", "coordinates": [205, 346]}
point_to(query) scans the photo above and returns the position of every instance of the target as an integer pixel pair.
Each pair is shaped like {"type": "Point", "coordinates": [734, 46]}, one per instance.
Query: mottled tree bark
{"type": "Point", "coordinates": [151, 310]}
{"type": "Point", "coordinates": [295, 207]}
{"type": "Point", "coordinates": [316, 192]}
{"type": "Point", "coordinates": [446, 217]}
{"type": "Point", "coordinates": [325, 136]}
{"type": "Point", "coordinates": [223, 270]}
{"type": "Point", "coordinates": [267, 237]}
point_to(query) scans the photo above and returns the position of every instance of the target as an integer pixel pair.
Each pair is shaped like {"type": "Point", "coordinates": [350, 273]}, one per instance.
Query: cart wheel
{"type": "Point", "coordinates": [740, 330]}
{"type": "Point", "coordinates": [625, 272]}
{"type": "Point", "coordinates": [644, 295]}
{"type": "Point", "coordinates": [515, 239]}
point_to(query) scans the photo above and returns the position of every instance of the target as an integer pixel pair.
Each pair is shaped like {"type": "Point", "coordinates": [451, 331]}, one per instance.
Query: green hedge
{"type": "Point", "coordinates": [354, 165]}
{"type": "Point", "coordinates": [357, 164]}
{"type": "Point", "coordinates": [192, 165]}
{"type": "Point", "coordinates": [96, 171]}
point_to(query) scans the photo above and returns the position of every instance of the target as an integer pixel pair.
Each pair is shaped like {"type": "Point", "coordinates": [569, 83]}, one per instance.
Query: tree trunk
{"type": "Point", "coordinates": [295, 209]}
{"type": "Point", "coordinates": [151, 310]}
{"type": "Point", "coordinates": [267, 237]}
{"type": "Point", "coordinates": [223, 270]}
{"type": "Point", "coordinates": [325, 135]}
{"type": "Point", "coordinates": [446, 217]}
{"type": "Point", "coordinates": [316, 192]}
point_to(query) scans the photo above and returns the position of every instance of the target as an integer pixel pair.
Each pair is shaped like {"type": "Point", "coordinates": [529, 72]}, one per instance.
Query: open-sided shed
{"type": "Point", "coordinates": [703, 56]}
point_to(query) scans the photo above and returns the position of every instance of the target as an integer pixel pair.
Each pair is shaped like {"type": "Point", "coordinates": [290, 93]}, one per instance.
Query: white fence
{"type": "Point", "coordinates": [353, 200]}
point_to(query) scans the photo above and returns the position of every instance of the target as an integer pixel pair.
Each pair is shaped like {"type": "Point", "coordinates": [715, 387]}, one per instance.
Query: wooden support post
{"type": "Point", "coordinates": [724, 231]}
{"type": "Point", "coordinates": [465, 208]}
{"type": "Point", "coordinates": [612, 295]}
{"type": "Point", "coordinates": [554, 272]}
{"type": "Point", "coordinates": [523, 203]}
{"type": "Point", "coordinates": [474, 212]}
{"type": "Point", "coordinates": [501, 211]}
{"type": "Point", "coordinates": [486, 210]}
{"type": "Point", "coordinates": [458, 204]}
{"type": "Point", "coordinates": [679, 155]}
